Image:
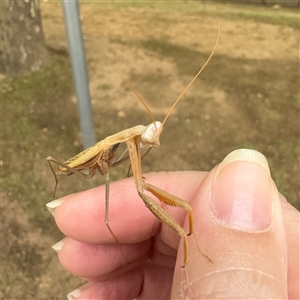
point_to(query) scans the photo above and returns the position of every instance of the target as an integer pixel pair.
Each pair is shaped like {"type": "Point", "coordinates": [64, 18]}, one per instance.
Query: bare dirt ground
{"type": "Point", "coordinates": [246, 97]}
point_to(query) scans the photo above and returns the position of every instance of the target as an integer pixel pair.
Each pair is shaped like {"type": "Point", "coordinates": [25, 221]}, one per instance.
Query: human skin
{"type": "Point", "coordinates": [248, 230]}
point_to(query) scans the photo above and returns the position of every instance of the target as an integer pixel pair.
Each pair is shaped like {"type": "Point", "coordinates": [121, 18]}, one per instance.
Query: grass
{"type": "Point", "coordinates": [230, 11]}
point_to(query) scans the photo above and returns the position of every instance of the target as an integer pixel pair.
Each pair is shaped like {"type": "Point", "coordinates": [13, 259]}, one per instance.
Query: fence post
{"type": "Point", "coordinates": [80, 77]}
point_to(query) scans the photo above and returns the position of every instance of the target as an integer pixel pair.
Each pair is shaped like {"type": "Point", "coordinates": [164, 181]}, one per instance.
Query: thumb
{"type": "Point", "coordinates": [239, 223]}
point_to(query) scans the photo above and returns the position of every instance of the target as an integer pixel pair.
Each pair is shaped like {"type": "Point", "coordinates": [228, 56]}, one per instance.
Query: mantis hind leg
{"type": "Point", "coordinates": [51, 160]}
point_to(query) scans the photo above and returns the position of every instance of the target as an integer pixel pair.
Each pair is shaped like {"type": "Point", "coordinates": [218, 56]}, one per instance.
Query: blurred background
{"type": "Point", "coordinates": [247, 97]}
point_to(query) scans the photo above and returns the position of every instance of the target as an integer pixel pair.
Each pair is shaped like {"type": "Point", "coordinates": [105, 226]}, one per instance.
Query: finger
{"type": "Point", "coordinates": [292, 226]}
{"type": "Point", "coordinates": [239, 219]}
{"type": "Point", "coordinates": [81, 216]}
{"type": "Point", "coordinates": [150, 283]}
{"type": "Point", "coordinates": [127, 286]}
{"type": "Point", "coordinates": [100, 261]}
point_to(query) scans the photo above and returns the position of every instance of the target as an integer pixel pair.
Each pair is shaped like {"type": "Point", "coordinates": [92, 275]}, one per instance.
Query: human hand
{"type": "Point", "coordinates": [242, 223]}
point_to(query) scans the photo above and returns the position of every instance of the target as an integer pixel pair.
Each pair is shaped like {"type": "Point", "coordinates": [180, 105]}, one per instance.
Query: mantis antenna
{"type": "Point", "coordinates": [143, 101]}
{"type": "Point", "coordinates": [188, 86]}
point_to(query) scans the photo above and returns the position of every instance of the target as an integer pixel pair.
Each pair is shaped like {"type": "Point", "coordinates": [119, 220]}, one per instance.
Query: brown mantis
{"type": "Point", "coordinates": [139, 140]}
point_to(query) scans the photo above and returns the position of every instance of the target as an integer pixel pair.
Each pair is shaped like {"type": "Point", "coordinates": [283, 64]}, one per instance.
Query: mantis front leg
{"type": "Point", "coordinates": [175, 201]}
{"type": "Point", "coordinates": [162, 215]}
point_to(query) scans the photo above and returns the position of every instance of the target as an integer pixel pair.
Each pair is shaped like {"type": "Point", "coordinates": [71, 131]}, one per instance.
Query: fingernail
{"type": "Point", "coordinates": [54, 204]}
{"type": "Point", "coordinates": [242, 191]}
{"type": "Point", "coordinates": [74, 294]}
{"type": "Point", "coordinates": [59, 245]}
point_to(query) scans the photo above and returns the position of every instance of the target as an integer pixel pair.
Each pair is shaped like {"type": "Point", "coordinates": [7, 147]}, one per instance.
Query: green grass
{"type": "Point", "coordinates": [35, 106]}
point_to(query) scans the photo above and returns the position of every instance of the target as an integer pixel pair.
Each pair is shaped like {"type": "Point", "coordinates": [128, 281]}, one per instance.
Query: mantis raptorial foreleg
{"type": "Point", "coordinates": [133, 146]}
{"type": "Point", "coordinates": [175, 201]}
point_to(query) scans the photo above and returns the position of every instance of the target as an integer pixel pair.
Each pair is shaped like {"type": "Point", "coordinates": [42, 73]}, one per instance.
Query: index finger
{"type": "Point", "coordinates": [81, 216]}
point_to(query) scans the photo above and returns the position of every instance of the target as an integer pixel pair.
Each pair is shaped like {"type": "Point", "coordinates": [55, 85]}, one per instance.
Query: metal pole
{"type": "Point", "coordinates": [80, 77]}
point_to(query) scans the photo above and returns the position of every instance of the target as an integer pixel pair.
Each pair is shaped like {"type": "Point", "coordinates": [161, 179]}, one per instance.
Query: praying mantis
{"type": "Point", "coordinates": [140, 139]}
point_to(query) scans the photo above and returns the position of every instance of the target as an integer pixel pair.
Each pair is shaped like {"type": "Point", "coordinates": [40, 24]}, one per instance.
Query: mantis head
{"type": "Point", "coordinates": [152, 133]}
